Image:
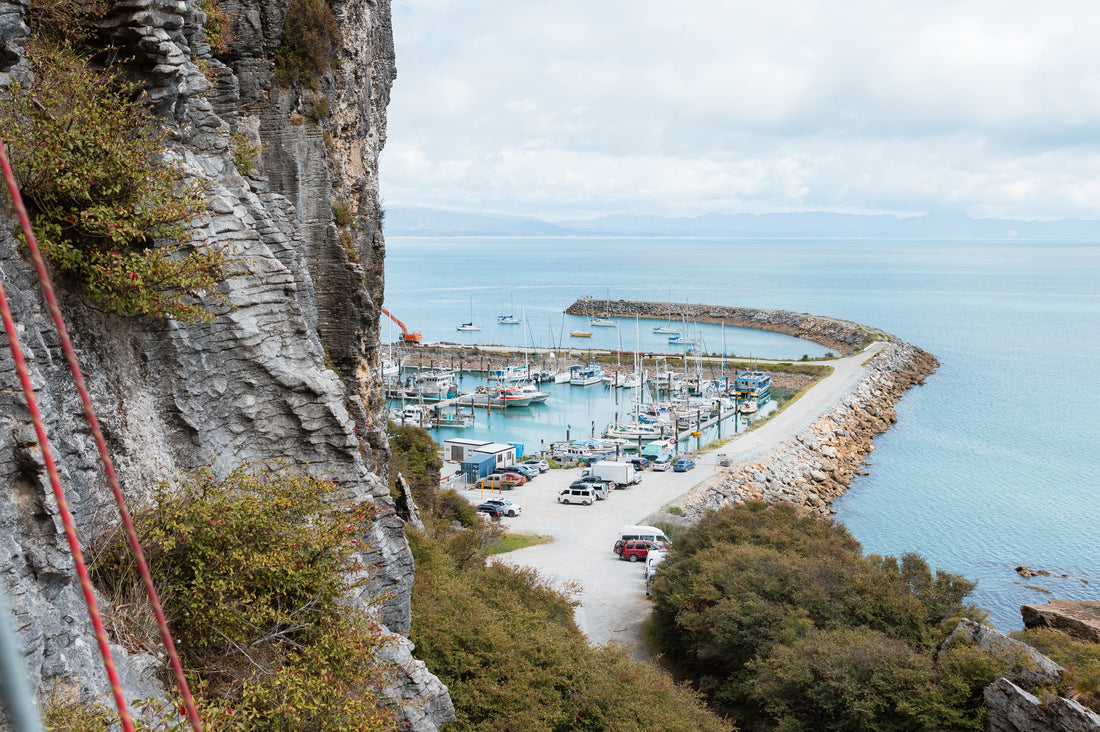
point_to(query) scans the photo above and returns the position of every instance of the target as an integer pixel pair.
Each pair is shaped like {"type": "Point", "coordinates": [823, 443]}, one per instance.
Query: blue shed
{"type": "Point", "coordinates": [477, 466]}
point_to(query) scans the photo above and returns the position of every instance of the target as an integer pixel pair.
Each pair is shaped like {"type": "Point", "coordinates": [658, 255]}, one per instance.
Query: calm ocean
{"type": "Point", "coordinates": [993, 463]}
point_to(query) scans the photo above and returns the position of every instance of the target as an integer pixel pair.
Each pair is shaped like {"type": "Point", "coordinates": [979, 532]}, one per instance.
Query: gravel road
{"type": "Point", "coordinates": [611, 591]}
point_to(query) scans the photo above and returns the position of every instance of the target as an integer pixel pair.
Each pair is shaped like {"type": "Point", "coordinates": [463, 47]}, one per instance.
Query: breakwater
{"type": "Point", "coordinates": [842, 336]}
{"type": "Point", "coordinates": [817, 465]}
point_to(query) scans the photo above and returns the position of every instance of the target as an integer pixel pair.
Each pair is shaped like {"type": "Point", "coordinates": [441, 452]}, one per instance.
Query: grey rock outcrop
{"type": "Point", "coordinates": [1028, 667]}
{"type": "Point", "coordinates": [1012, 709]}
{"type": "Point", "coordinates": [290, 373]}
{"type": "Point", "coordinates": [1010, 704]}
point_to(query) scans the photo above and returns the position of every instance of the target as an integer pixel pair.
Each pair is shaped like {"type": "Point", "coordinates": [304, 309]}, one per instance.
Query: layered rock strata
{"type": "Point", "coordinates": [817, 465]}
{"type": "Point", "coordinates": [842, 336]}
{"type": "Point", "coordinates": [289, 374]}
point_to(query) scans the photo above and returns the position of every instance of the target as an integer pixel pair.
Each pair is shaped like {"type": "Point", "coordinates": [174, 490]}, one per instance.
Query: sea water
{"type": "Point", "coordinates": [993, 462]}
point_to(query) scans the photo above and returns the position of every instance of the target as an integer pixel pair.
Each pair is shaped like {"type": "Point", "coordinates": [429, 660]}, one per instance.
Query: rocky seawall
{"type": "Point", "coordinates": [289, 374]}
{"type": "Point", "coordinates": [817, 465]}
{"type": "Point", "coordinates": [842, 336]}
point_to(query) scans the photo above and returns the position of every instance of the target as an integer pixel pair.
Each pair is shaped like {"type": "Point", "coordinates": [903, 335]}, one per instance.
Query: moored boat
{"type": "Point", "coordinates": [585, 375]}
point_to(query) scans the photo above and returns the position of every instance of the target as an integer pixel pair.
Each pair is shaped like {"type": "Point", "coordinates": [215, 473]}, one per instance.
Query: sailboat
{"type": "Point", "coordinates": [510, 319]}
{"type": "Point", "coordinates": [605, 322]}
{"type": "Point", "coordinates": [470, 325]}
{"type": "Point", "coordinates": [580, 332]}
{"type": "Point", "coordinates": [668, 329]}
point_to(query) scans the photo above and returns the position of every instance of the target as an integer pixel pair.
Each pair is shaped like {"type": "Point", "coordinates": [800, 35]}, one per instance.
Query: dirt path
{"type": "Point", "coordinates": [612, 592]}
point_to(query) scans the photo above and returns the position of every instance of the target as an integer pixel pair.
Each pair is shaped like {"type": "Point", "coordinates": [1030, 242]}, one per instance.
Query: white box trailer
{"type": "Point", "coordinates": [619, 475]}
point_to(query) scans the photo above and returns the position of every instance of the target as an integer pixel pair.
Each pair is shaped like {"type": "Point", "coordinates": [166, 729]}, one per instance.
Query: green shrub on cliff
{"type": "Point", "coordinates": [779, 618]}
{"type": "Point", "coordinates": [1080, 659]}
{"type": "Point", "coordinates": [309, 43]}
{"type": "Point", "coordinates": [108, 211]}
{"type": "Point", "coordinates": [251, 569]}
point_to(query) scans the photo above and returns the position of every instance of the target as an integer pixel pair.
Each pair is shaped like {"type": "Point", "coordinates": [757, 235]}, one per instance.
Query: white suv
{"type": "Point", "coordinates": [662, 464]}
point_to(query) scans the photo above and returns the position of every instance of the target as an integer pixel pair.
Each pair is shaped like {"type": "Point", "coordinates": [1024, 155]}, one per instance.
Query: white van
{"type": "Point", "coordinates": [652, 533]}
{"type": "Point", "coordinates": [578, 494]}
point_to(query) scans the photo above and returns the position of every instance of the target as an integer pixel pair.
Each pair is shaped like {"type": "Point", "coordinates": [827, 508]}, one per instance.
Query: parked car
{"type": "Point", "coordinates": [541, 465]}
{"type": "Point", "coordinates": [661, 464]}
{"type": "Point", "coordinates": [507, 507]}
{"type": "Point", "coordinates": [640, 463]}
{"type": "Point", "coordinates": [601, 488]}
{"type": "Point", "coordinates": [501, 481]}
{"type": "Point", "coordinates": [515, 469]}
{"type": "Point", "coordinates": [683, 465]}
{"type": "Point", "coordinates": [519, 478]}
{"type": "Point", "coordinates": [527, 471]}
{"type": "Point", "coordinates": [490, 509]}
{"type": "Point", "coordinates": [636, 550]}
{"type": "Point", "coordinates": [578, 494]}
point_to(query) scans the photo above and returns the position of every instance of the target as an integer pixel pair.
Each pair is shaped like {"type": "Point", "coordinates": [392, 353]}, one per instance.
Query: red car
{"type": "Point", "coordinates": [635, 550]}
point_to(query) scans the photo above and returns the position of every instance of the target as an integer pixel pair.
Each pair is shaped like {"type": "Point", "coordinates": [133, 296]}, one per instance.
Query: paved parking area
{"type": "Point", "coordinates": [612, 592]}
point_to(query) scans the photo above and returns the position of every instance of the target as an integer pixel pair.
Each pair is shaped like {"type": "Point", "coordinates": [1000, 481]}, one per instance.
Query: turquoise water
{"type": "Point", "coordinates": [993, 462]}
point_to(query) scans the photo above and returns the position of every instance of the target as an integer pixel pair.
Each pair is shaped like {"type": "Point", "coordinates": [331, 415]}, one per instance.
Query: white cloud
{"type": "Point", "coordinates": [572, 108]}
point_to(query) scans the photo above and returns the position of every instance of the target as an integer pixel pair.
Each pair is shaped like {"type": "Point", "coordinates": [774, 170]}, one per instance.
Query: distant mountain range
{"type": "Point", "coordinates": [417, 221]}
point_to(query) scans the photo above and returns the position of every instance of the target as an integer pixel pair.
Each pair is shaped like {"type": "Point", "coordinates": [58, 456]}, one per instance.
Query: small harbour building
{"type": "Point", "coordinates": [458, 449]}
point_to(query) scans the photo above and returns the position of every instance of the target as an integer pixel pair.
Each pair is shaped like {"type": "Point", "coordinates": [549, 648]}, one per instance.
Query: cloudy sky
{"type": "Point", "coordinates": [577, 108]}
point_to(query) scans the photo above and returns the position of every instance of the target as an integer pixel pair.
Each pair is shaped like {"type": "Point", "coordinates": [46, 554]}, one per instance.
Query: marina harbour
{"type": "Point", "coordinates": [972, 477]}
{"type": "Point", "coordinates": [678, 398]}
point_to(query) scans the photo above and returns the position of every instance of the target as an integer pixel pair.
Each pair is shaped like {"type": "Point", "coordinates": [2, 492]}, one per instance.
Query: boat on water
{"type": "Point", "coordinates": [603, 322]}
{"type": "Point", "coordinates": [585, 375]}
{"type": "Point", "coordinates": [537, 396]}
{"type": "Point", "coordinates": [510, 374]}
{"type": "Point", "coordinates": [749, 406]}
{"type": "Point", "coordinates": [427, 385]}
{"type": "Point", "coordinates": [455, 419]}
{"type": "Point", "coordinates": [510, 318]}
{"type": "Point", "coordinates": [580, 333]}
{"type": "Point", "coordinates": [681, 340]}
{"type": "Point", "coordinates": [412, 415]}
{"type": "Point", "coordinates": [753, 384]}
{"type": "Point", "coordinates": [667, 329]}
{"type": "Point", "coordinates": [634, 430]}
{"type": "Point", "coordinates": [470, 325]}
{"type": "Point", "coordinates": [495, 397]}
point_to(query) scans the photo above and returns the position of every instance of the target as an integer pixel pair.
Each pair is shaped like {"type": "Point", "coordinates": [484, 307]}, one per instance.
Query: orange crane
{"type": "Point", "coordinates": [405, 334]}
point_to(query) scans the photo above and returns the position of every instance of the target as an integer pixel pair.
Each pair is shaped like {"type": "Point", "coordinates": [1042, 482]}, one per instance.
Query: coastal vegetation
{"type": "Point", "coordinates": [505, 642]}
{"type": "Point", "coordinates": [251, 569]}
{"type": "Point", "coordinates": [1081, 660]}
{"type": "Point", "coordinates": [108, 207]}
{"type": "Point", "coordinates": [782, 622]}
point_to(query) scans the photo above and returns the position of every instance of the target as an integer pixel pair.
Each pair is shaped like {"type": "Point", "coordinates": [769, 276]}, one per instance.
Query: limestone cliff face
{"type": "Point", "coordinates": [290, 373]}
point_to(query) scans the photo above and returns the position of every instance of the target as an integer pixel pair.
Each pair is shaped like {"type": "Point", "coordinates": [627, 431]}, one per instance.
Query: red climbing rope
{"type": "Point", "coordinates": [101, 445]}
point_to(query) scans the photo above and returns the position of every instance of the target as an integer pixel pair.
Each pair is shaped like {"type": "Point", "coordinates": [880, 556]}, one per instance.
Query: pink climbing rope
{"type": "Point", "coordinates": [108, 466]}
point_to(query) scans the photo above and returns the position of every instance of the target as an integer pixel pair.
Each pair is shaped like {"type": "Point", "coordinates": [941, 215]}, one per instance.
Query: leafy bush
{"type": "Point", "coordinates": [251, 569]}
{"type": "Point", "coordinates": [1080, 659]}
{"type": "Point", "coordinates": [309, 43]}
{"type": "Point", "coordinates": [244, 152]}
{"type": "Point", "coordinates": [507, 648]}
{"type": "Point", "coordinates": [218, 26]}
{"type": "Point", "coordinates": [415, 455]}
{"type": "Point", "coordinates": [87, 156]}
{"type": "Point", "coordinates": [776, 614]}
